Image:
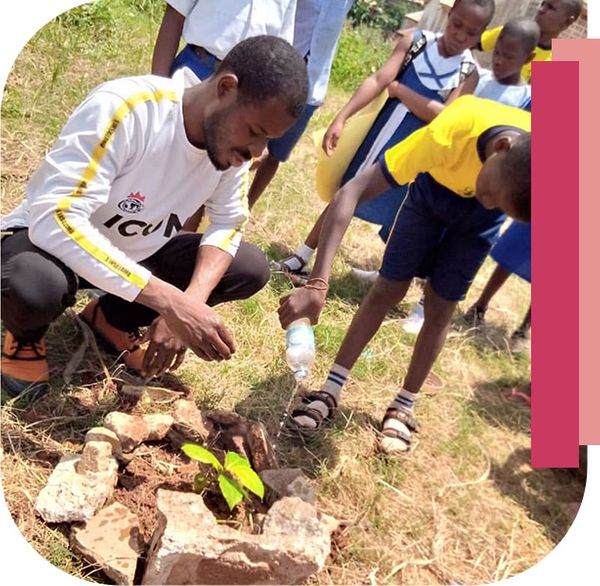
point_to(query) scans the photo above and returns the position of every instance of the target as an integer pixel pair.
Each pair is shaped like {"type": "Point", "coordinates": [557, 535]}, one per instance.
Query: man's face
{"type": "Point", "coordinates": [552, 16]}
{"type": "Point", "coordinates": [465, 24]}
{"type": "Point", "coordinates": [508, 58]}
{"type": "Point", "coordinates": [235, 131]}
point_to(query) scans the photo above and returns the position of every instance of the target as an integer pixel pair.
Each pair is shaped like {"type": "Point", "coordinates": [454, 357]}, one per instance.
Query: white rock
{"type": "Point", "coordinates": [69, 496]}
{"type": "Point", "coordinates": [158, 425]}
{"type": "Point", "coordinates": [111, 540]}
{"type": "Point", "coordinates": [131, 430]}
{"type": "Point", "coordinates": [189, 547]}
{"type": "Point", "coordinates": [103, 434]}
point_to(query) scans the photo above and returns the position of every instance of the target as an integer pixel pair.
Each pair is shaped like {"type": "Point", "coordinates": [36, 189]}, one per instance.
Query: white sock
{"type": "Point", "coordinates": [333, 385]}
{"type": "Point", "coordinates": [405, 401]}
{"type": "Point", "coordinates": [305, 253]}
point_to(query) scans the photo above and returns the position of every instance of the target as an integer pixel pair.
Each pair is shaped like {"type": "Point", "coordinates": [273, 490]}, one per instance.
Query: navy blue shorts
{"type": "Point", "coordinates": [203, 67]}
{"type": "Point", "coordinates": [441, 236]}
{"type": "Point", "coordinates": [281, 148]}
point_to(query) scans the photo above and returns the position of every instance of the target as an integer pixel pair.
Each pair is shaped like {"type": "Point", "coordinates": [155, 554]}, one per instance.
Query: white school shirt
{"type": "Point", "coordinates": [518, 96]}
{"type": "Point", "coordinates": [219, 25]}
{"type": "Point", "coordinates": [121, 180]}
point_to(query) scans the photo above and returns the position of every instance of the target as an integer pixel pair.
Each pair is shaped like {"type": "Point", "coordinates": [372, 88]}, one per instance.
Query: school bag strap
{"type": "Point", "coordinates": [416, 48]}
{"type": "Point", "coordinates": [466, 68]}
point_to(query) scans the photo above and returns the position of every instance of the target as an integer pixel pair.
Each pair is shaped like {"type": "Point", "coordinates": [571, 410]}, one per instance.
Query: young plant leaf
{"type": "Point", "coordinates": [202, 455]}
{"type": "Point", "coordinates": [231, 491]}
{"type": "Point", "coordinates": [241, 469]}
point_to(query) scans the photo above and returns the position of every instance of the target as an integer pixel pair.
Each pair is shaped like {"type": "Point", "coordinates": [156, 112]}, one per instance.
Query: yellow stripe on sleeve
{"type": "Point", "coordinates": [64, 204]}
{"type": "Point", "coordinates": [244, 202]}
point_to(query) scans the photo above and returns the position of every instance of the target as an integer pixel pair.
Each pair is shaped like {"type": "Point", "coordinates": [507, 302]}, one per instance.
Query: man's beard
{"type": "Point", "coordinates": [211, 131]}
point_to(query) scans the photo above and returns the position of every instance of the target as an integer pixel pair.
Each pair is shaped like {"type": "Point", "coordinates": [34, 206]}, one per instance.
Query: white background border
{"type": "Point", "coordinates": [576, 559]}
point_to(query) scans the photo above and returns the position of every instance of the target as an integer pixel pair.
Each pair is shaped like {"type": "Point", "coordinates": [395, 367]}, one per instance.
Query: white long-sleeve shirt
{"type": "Point", "coordinates": [219, 25]}
{"type": "Point", "coordinates": [121, 180]}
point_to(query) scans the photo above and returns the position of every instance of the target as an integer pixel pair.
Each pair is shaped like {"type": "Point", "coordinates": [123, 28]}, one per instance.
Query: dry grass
{"type": "Point", "coordinates": [464, 507]}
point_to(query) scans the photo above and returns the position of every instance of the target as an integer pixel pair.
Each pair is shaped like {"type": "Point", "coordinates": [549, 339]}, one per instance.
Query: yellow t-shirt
{"type": "Point", "coordinates": [488, 42]}
{"type": "Point", "coordinates": [447, 147]}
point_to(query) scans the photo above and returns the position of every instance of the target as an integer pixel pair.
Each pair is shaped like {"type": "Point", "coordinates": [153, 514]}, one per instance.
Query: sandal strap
{"type": "Point", "coordinates": [403, 417]}
{"type": "Point", "coordinates": [324, 397]}
{"type": "Point", "coordinates": [397, 434]}
{"type": "Point", "coordinates": [311, 413]}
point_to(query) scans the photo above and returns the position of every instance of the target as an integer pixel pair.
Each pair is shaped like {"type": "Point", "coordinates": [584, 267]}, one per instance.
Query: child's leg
{"type": "Point", "coordinates": [298, 261]}
{"type": "Point", "coordinates": [523, 330]}
{"type": "Point", "coordinates": [398, 422]}
{"type": "Point", "coordinates": [263, 176]}
{"type": "Point", "coordinates": [495, 282]}
{"type": "Point", "coordinates": [382, 296]}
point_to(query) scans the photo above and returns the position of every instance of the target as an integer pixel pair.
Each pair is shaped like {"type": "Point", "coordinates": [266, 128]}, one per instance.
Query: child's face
{"type": "Point", "coordinates": [491, 190]}
{"type": "Point", "coordinates": [552, 17]}
{"type": "Point", "coordinates": [508, 59]}
{"type": "Point", "coordinates": [465, 24]}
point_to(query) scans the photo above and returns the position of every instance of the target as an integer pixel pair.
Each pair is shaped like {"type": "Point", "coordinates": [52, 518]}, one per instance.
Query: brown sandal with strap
{"type": "Point", "coordinates": [320, 420]}
{"type": "Point", "coordinates": [403, 417]}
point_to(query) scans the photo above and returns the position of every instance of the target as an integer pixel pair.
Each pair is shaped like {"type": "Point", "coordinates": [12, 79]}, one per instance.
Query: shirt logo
{"type": "Point", "coordinates": [132, 204]}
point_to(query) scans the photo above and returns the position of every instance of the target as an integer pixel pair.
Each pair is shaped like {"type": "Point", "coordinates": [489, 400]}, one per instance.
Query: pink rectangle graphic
{"type": "Point", "coordinates": [555, 266]}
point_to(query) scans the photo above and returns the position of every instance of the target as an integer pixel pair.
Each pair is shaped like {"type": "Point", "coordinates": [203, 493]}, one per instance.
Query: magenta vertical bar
{"type": "Point", "coordinates": [555, 266]}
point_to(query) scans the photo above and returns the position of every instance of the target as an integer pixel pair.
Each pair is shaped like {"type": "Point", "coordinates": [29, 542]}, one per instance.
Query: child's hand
{"type": "Point", "coordinates": [301, 302]}
{"type": "Point", "coordinates": [395, 90]}
{"type": "Point", "coordinates": [332, 136]}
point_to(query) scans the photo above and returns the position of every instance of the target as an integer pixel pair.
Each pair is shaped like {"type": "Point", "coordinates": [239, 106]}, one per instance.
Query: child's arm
{"type": "Point", "coordinates": [425, 108]}
{"type": "Point", "coordinates": [368, 91]}
{"type": "Point", "coordinates": [167, 42]}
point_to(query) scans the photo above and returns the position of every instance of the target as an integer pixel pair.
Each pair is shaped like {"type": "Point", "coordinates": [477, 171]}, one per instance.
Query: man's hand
{"type": "Point", "coordinates": [200, 329]}
{"type": "Point", "coordinates": [165, 350]}
{"type": "Point", "coordinates": [332, 136]}
{"type": "Point", "coordinates": [301, 303]}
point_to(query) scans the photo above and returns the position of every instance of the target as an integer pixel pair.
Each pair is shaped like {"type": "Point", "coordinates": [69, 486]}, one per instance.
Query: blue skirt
{"type": "Point", "coordinates": [513, 250]}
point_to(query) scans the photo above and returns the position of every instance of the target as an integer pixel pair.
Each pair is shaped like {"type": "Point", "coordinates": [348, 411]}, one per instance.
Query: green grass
{"type": "Point", "coordinates": [452, 510]}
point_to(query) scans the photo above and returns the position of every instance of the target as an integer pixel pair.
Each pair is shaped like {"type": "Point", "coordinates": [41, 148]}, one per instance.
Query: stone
{"type": "Point", "coordinates": [190, 547]}
{"type": "Point", "coordinates": [158, 425]}
{"type": "Point", "coordinates": [95, 458]}
{"type": "Point", "coordinates": [104, 434]}
{"type": "Point", "coordinates": [189, 422]}
{"type": "Point", "coordinates": [69, 496]}
{"type": "Point", "coordinates": [262, 455]}
{"type": "Point", "coordinates": [111, 540]}
{"type": "Point", "coordinates": [295, 523]}
{"type": "Point", "coordinates": [287, 482]}
{"type": "Point", "coordinates": [131, 430]}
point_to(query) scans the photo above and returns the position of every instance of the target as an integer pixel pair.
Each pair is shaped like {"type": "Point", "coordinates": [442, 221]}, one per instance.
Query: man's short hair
{"type": "Point", "coordinates": [489, 4]}
{"type": "Point", "coordinates": [268, 67]}
{"type": "Point", "coordinates": [525, 30]}
{"type": "Point", "coordinates": [517, 170]}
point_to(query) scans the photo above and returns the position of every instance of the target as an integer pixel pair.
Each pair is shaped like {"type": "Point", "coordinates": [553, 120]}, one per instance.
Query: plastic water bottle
{"type": "Point", "coordinates": [300, 348]}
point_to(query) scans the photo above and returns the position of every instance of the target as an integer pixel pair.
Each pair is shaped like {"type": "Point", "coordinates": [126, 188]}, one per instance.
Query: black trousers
{"type": "Point", "coordinates": [37, 287]}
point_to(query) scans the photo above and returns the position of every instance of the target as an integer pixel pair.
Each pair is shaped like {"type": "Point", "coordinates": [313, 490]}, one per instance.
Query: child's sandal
{"type": "Point", "coordinates": [397, 438]}
{"type": "Point", "coordinates": [315, 415]}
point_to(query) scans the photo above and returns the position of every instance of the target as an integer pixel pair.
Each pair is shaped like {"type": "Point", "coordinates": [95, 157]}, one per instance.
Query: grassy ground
{"type": "Point", "coordinates": [464, 507]}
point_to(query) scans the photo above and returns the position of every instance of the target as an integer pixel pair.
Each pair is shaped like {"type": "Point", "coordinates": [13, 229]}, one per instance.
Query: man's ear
{"type": "Point", "coordinates": [227, 83]}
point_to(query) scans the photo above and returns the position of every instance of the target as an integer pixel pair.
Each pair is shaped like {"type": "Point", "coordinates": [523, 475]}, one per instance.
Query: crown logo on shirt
{"type": "Point", "coordinates": [133, 203]}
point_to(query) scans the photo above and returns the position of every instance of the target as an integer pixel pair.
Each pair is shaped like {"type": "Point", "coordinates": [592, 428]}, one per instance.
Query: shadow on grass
{"type": "Point", "coordinates": [547, 494]}
{"type": "Point", "coordinates": [268, 403]}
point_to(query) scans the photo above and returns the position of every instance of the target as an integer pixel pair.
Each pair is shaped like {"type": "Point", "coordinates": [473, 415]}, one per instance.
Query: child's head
{"type": "Point", "coordinates": [555, 16]}
{"type": "Point", "coordinates": [504, 181]}
{"type": "Point", "coordinates": [514, 48]}
{"type": "Point", "coordinates": [466, 21]}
